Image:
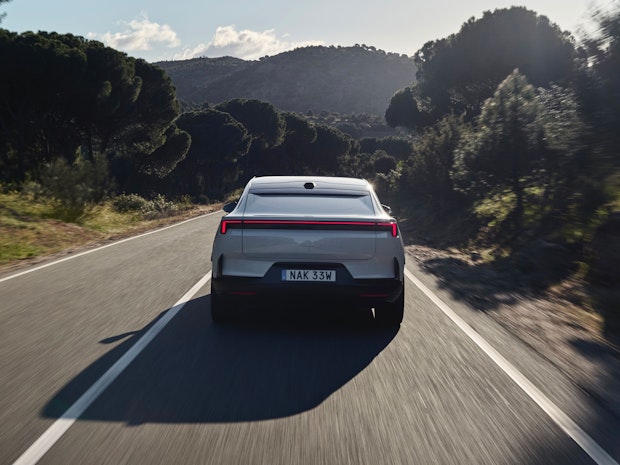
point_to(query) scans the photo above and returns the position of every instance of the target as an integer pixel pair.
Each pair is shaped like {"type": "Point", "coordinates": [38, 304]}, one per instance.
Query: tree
{"type": "Point", "coordinates": [428, 170]}
{"type": "Point", "coordinates": [264, 123]}
{"type": "Point", "coordinates": [398, 147]}
{"type": "Point", "coordinates": [322, 156]}
{"type": "Point", "coordinates": [42, 75]}
{"type": "Point", "coordinates": [357, 165]}
{"type": "Point", "coordinates": [287, 158]}
{"type": "Point", "coordinates": [67, 97]}
{"type": "Point", "coordinates": [505, 144]}
{"type": "Point", "coordinates": [600, 89]}
{"type": "Point", "coordinates": [382, 162]}
{"type": "Point", "coordinates": [458, 73]}
{"type": "Point", "coordinates": [212, 162]}
{"type": "Point", "coordinates": [147, 127]}
{"type": "Point", "coordinates": [403, 110]}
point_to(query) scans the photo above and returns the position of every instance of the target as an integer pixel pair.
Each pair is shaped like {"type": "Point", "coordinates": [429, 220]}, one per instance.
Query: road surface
{"type": "Point", "coordinates": [110, 357]}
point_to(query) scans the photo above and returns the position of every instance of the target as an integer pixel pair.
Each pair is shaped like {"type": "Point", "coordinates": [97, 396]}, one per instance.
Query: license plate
{"type": "Point", "coordinates": [309, 275]}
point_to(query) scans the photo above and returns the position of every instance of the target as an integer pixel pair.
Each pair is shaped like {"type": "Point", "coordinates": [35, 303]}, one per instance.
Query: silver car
{"type": "Point", "coordinates": [299, 239]}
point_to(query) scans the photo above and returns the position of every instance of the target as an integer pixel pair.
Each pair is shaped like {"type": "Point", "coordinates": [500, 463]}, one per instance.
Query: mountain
{"type": "Point", "coordinates": [344, 80]}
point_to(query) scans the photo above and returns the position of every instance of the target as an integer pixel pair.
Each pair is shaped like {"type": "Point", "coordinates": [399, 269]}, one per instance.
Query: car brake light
{"type": "Point", "coordinates": [391, 226]}
{"type": "Point", "coordinates": [226, 224]}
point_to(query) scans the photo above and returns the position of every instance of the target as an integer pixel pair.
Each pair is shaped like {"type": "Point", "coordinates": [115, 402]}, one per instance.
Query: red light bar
{"type": "Point", "coordinates": [226, 224]}
{"type": "Point", "coordinates": [391, 225]}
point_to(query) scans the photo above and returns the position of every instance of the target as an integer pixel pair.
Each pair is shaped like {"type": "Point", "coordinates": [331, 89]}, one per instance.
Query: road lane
{"type": "Point", "coordinates": [271, 392]}
{"type": "Point", "coordinates": [58, 321]}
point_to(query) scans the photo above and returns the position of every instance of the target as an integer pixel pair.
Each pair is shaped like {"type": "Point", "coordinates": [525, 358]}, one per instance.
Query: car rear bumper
{"type": "Point", "coordinates": [345, 288]}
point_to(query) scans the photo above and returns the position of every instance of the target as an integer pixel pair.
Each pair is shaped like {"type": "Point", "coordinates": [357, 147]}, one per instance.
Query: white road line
{"type": "Point", "coordinates": [37, 268]}
{"type": "Point", "coordinates": [571, 428]}
{"type": "Point", "coordinates": [38, 449]}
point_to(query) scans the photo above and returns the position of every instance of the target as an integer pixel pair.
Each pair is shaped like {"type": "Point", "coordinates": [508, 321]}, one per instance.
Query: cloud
{"type": "Point", "coordinates": [139, 35]}
{"type": "Point", "coordinates": [245, 44]}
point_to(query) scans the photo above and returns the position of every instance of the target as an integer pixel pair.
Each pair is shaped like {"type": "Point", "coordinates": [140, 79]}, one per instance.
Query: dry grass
{"type": "Point", "coordinates": [29, 232]}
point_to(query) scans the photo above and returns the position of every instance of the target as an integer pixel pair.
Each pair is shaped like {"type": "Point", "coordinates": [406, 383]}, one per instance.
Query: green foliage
{"type": "Point", "coordinates": [403, 110]}
{"type": "Point", "coordinates": [356, 125]}
{"type": "Point", "coordinates": [211, 164]}
{"type": "Point", "coordinates": [298, 129]}
{"type": "Point", "coordinates": [357, 165]}
{"type": "Point", "coordinates": [458, 73]}
{"type": "Point", "coordinates": [75, 187]}
{"type": "Point", "coordinates": [383, 163]}
{"type": "Point", "coordinates": [149, 130]}
{"type": "Point", "coordinates": [428, 171]}
{"type": "Point", "coordinates": [322, 156]}
{"type": "Point", "coordinates": [387, 183]}
{"type": "Point", "coordinates": [64, 95]}
{"type": "Point", "coordinates": [265, 124]}
{"type": "Point", "coordinates": [398, 147]}
{"type": "Point", "coordinates": [129, 203]}
{"type": "Point", "coordinates": [287, 157]}
{"type": "Point", "coordinates": [158, 207]}
{"type": "Point", "coordinates": [505, 144]}
{"type": "Point", "coordinates": [604, 60]}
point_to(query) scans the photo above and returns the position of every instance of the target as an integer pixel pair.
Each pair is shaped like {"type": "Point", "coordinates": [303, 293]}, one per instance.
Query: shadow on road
{"type": "Point", "coordinates": [271, 366]}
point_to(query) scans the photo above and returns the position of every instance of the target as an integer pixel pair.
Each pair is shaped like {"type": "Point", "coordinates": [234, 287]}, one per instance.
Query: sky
{"type": "Point", "coordinates": [158, 30]}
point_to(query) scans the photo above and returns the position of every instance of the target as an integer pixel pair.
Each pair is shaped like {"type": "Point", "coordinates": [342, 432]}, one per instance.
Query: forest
{"type": "Point", "coordinates": [509, 129]}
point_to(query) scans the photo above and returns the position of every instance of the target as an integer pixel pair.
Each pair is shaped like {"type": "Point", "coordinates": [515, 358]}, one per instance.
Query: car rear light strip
{"type": "Point", "coordinates": [288, 224]}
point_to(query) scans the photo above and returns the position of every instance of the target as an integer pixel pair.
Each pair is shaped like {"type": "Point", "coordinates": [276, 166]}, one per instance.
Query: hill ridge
{"type": "Point", "coordinates": [357, 79]}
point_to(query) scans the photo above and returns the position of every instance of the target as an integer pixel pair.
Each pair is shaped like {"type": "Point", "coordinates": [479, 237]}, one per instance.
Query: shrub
{"type": "Point", "coordinates": [73, 187]}
{"type": "Point", "coordinates": [129, 203]}
{"type": "Point", "coordinates": [158, 207]}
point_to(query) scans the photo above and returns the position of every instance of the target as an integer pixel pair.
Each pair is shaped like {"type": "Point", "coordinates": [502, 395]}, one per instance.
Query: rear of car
{"type": "Point", "coordinates": [301, 239]}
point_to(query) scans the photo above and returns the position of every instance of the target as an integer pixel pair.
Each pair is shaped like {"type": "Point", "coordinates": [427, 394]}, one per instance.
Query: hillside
{"type": "Point", "coordinates": [345, 80]}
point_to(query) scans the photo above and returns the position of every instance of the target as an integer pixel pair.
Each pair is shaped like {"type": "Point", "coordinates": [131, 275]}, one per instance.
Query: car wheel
{"type": "Point", "coordinates": [221, 311]}
{"type": "Point", "coordinates": [391, 313]}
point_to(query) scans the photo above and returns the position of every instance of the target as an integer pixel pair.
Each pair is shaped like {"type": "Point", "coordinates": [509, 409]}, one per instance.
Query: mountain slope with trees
{"type": "Point", "coordinates": [359, 79]}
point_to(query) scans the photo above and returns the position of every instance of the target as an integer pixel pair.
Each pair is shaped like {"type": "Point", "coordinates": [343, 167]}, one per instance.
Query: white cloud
{"type": "Point", "coordinates": [139, 35]}
{"type": "Point", "coordinates": [245, 44]}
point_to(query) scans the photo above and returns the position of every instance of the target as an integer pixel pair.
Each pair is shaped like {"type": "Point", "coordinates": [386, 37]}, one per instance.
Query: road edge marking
{"type": "Point", "coordinates": [86, 252]}
{"type": "Point", "coordinates": [45, 442]}
{"type": "Point", "coordinates": [574, 431]}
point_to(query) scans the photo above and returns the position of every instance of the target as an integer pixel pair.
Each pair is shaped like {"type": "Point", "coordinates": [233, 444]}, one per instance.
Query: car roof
{"type": "Point", "coordinates": [309, 185]}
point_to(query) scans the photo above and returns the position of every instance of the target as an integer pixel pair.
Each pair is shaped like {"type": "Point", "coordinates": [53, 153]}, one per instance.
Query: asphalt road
{"type": "Point", "coordinates": [283, 387]}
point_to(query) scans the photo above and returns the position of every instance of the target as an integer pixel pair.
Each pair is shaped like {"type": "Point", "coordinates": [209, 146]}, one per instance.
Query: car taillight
{"type": "Point", "coordinates": [387, 225]}
{"type": "Point", "coordinates": [392, 226]}
{"type": "Point", "coordinates": [225, 224]}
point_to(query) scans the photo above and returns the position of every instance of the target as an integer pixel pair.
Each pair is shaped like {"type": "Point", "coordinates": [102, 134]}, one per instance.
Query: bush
{"type": "Point", "coordinates": [158, 207]}
{"type": "Point", "coordinates": [73, 187]}
{"type": "Point", "coordinates": [129, 203]}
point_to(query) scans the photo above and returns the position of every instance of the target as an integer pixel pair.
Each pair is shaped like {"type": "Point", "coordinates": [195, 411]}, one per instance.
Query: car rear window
{"type": "Point", "coordinates": [288, 204]}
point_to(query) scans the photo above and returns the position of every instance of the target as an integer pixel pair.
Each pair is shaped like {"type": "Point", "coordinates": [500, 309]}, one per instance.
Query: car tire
{"type": "Point", "coordinates": [391, 313]}
{"type": "Point", "coordinates": [221, 312]}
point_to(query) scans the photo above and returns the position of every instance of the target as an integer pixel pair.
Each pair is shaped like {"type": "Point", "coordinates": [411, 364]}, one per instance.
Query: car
{"type": "Point", "coordinates": [301, 239]}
